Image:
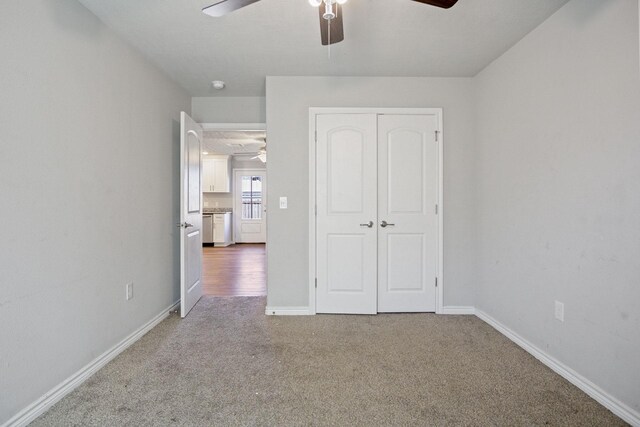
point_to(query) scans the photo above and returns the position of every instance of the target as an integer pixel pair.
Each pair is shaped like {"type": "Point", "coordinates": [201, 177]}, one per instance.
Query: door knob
{"type": "Point", "coordinates": [186, 225]}
{"type": "Point", "coordinates": [369, 224]}
{"type": "Point", "coordinates": [383, 224]}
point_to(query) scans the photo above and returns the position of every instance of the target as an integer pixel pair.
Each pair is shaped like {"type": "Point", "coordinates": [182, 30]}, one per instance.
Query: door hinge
{"type": "Point", "coordinates": [437, 132]}
{"type": "Point", "coordinates": [316, 283]}
{"type": "Point", "coordinates": [436, 282]}
{"type": "Point", "coordinates": [436, 209]}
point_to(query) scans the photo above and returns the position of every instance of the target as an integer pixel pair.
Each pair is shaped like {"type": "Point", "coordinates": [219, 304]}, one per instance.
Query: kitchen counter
{"type": "Point", "coordinates": [209, 211]}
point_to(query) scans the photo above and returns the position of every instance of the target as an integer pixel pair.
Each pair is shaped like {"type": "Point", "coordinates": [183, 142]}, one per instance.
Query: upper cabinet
{"type": "Point", "coordinates": [215, 174]}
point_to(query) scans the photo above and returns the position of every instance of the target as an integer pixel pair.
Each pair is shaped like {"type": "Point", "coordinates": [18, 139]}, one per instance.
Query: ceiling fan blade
{"type": "Point", "coordinates": [337, 31]}
{"type": "Point", "coordinates": [222, 7]}
{"type": "Point", "coordinates": [446, 4]}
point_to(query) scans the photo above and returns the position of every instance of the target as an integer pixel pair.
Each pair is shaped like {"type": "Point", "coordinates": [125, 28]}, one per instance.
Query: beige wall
{"type": "Point", "coordinates": [558, 191]}
{"type": "Point", "coordinates": [89, 186]}
{"type": "Point", "coordinates": [230, 109]}
{"type": "Point", "coordinates": [288, 102]}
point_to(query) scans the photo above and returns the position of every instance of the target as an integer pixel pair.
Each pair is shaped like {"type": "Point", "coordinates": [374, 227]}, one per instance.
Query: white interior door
{"type": "Point", "coordinates": [250, 211]}
{"type": "Point", "coordinates": [408, 225]}
{"type": "Point", "coordinates": [190, 214]}
{"type": "Point", "coordinates": [346, 213]}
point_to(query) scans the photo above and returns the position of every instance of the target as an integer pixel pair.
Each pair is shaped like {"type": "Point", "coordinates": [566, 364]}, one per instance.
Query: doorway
{"type": "Point", "coordinates": [234, 256]}
{"type": "Point", "coordinates": [376, 206]}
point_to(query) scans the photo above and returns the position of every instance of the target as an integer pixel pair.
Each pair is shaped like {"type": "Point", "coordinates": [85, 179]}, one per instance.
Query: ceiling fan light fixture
{"type": "Point", "coordinates": [315, 3]}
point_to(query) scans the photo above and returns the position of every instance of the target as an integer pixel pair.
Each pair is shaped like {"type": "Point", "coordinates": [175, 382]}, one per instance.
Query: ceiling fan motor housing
{"type": "Point", "coordinates": [328, 10]}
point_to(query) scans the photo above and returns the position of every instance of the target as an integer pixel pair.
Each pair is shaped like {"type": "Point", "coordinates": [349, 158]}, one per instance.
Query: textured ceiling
{"type": "Point", "coordinates": [282, 37]}
{"type": "Point", "coordinates": [234, 142]}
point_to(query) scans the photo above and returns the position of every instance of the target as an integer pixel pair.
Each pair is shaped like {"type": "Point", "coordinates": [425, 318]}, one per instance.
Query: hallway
{"type": "Point", "coordinates": [236, 270]}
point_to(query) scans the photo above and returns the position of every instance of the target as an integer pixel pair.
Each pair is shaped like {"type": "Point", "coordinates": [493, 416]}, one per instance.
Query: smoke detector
{"type": "Point", "coordinates": [218, 84]}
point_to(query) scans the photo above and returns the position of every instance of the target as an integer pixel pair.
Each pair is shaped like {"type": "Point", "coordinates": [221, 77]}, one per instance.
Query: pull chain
{"type": "Point", "coordinates": [329, 38]}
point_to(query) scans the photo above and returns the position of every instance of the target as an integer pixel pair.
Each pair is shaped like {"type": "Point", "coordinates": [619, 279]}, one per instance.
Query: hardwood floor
{"type": "Point", "coordinates": [237, 270]}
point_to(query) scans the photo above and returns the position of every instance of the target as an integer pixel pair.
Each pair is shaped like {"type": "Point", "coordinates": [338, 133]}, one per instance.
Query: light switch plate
{"type": "Point", "coordinates": [283, 203]}
{"type": "Point", "coordinates": [559, 311]}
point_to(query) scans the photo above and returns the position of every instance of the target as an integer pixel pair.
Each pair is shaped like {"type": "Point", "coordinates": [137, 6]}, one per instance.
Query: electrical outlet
{"type": "Point", "coordinates": [129, 290]}
{"type": "Point", "coordinates": [206, 204]}
{"type": "Point", "coordinates": [559, 312]}
{"type": "Point", "coordinates": [283, 203]}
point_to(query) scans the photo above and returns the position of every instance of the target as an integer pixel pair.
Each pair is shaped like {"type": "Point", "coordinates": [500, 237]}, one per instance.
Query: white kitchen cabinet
{"type": "Point", "coordinates": [215, 174]}
{"type": "Point", "coordinates": [222, 229]}
{"type": "Point", "coordinates": [221, 169]}
{"type": "Point", "coordinates": [207, 175]}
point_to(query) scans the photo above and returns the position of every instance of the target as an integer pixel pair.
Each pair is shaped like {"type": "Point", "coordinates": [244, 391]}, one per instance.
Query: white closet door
{"type": "Point", "coordinates": [407, 197]}
{"type": "Point", "coordinates": [346, 213]}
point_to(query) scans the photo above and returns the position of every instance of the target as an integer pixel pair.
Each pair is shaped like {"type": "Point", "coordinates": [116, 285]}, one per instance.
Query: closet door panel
{"type": "Point", "coordinates": [346, 197]}
{"type": "Point", "coordinates": [405, 180]}
{"type": "Point", "coordinates": [405, 266]}
{"type": "Point", "coordinates": [407, 197]}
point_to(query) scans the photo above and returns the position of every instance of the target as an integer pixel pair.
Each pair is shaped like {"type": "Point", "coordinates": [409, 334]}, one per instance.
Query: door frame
{"type": "Point", "coordinates": [234, 126]}
{"type": "Point", "coordinates": [313, 112]}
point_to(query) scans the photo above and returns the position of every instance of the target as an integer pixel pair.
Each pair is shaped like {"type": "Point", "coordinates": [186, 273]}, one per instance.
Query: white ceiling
{"type": "Point", "coordinates": [234, 142]}
{"type": "Point", "coordinates": [282, 37]}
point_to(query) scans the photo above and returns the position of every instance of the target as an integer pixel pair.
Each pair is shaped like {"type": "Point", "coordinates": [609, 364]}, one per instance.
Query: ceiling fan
{"type": "Point", "coordinates": [331, 29]}
{"type": "Point", "coordinates": [252, 150]}
{"type": "Point", "coordinates": [252, 155]}
{"type": "Point", "coordinates": [262, 156]}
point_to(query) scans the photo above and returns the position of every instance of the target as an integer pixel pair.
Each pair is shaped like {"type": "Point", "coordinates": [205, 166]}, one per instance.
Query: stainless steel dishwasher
{"type": "Point", "coordinates": [207, 228]}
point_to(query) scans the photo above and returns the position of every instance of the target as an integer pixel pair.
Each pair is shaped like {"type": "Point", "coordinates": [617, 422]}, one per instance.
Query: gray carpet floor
{"type": "Point", "coordinates": [228, 364]}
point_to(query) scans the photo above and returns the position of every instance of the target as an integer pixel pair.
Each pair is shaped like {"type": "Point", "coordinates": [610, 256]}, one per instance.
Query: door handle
{"type": "Point", "coordinates": [383, 224]}
{"type": "Point", "coordinates": [369, 224]}
{"type": "Point", "coordinates": [185, 225]}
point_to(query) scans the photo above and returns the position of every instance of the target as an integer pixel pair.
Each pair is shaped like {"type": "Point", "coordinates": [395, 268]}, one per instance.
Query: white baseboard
{"type": "Point", "coordinates": [605, 399]}
{"type": "Point", "coordinates": [304, 311]}
{"type": "Point", "coordinates": [50, 398]}
{"type": "Point", "coordinates": [458, 309]}
{"type": "Point", "coordinates": [287, 311]}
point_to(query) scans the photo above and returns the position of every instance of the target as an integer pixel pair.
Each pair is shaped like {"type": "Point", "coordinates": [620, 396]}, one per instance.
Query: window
{"type": "Point", "coordinates": [251, 197]}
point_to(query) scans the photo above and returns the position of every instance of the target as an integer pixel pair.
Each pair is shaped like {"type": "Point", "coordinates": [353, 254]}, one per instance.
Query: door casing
{"type": "Point", "coordinates": [315, 111]}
